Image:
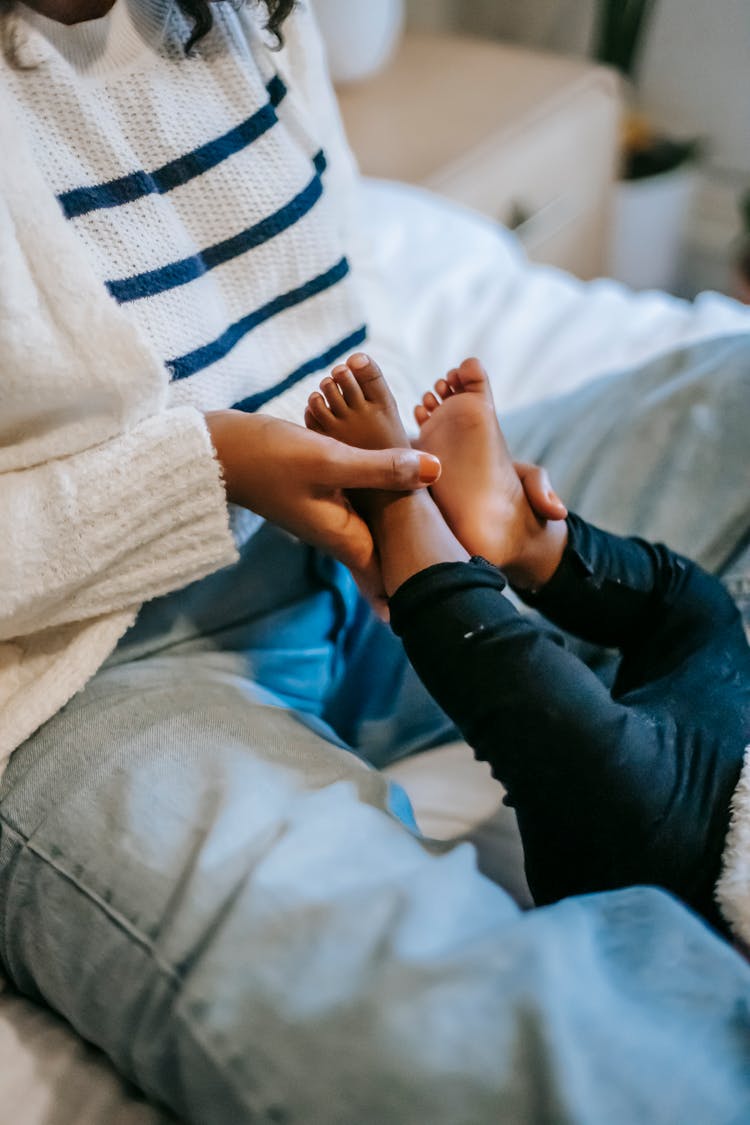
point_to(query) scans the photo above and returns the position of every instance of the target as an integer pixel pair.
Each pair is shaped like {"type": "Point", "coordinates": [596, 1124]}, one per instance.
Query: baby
{"type": "Point", "coordinates": [610, 788]}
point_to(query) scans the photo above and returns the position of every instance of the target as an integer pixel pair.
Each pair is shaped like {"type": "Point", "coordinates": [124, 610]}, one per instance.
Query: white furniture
{"type": "Point", "coordinates": [649, 221]}
{"type": "Point", "coordinates": [529, 139]}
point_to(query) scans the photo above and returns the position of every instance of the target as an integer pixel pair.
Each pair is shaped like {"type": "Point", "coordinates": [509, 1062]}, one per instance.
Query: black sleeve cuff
{"type": "Point", "coordinates": [574, 565]}
{"type": "Point", "coordinates": [437, 582]}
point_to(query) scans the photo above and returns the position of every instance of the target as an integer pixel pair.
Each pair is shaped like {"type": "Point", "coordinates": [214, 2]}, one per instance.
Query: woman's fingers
{"type": "Point", "coordinates": [542, 498]}
{"type": "Point", "coordinates": [395, 470]}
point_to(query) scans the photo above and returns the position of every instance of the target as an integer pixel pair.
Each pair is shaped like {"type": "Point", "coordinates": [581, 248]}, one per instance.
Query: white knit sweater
{"type": "Point", "coordinates": [201, 190]}
{"type": "Point", "coordinates": [109, 491]}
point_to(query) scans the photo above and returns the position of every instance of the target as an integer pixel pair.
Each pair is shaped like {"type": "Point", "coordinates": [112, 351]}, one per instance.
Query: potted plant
{"type": "Point", "coordinates": [658, 172]}
{"type": "Point", "coordinates": [742, 261]}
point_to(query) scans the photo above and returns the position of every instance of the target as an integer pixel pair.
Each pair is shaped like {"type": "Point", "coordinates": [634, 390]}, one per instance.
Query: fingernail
{"type": "Point", "coordinates": [359, 360]}
{"type": "Point", "coordinates": [429, 468]}
{"type": "Point", "coordinates": [555, 499]}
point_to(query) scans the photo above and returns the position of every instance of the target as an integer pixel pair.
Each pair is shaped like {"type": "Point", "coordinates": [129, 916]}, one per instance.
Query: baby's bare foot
{"type": "Point", "coordinates": [479, 492]}
{"type": "Point", "coordinates": [355, 405]}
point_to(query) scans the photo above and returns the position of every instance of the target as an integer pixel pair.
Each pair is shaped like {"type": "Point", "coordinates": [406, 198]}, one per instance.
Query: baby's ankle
{"type": "Point", "coordinates": [410, 534]}
{"type": "Point", "coordinates": [538, 556]}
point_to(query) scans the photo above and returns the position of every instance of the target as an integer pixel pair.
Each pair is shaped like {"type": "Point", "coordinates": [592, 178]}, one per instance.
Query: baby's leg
{"type": "Point", "coordinates": [593, 781]}
{"type": "Point", "coordinates": [658, 608]}
{"type": "Point", "coordinates": [685, 672]}
{"type": "Point", "coordinates": [607, 793]}
{"type": "Point", "coordinates": [479, 491]}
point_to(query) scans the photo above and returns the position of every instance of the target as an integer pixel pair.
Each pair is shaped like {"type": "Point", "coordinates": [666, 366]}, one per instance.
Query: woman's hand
{"type": "Point", "coordinates": [543, 500]}
{"type": "Point", "coordinates": [298, 480]}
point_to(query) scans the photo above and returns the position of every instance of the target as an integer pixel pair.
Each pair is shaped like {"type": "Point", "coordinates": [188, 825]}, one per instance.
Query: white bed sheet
{"type": "Point", "coordinates": [457, 286]}
{"type": "Point", "coordinates": [460, 285]}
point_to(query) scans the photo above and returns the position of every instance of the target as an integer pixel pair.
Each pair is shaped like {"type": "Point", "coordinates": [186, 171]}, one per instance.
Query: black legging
{"type": "Point", "coordinates": [610, 789]}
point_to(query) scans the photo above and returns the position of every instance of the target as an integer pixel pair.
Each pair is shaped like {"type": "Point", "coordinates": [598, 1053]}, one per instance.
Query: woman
{"type": "Point", "coordinates": [196, 870]}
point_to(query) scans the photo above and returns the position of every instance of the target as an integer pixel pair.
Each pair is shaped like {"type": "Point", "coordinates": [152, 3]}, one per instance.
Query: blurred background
{"type": "Point", "coordinates": [640, 171]}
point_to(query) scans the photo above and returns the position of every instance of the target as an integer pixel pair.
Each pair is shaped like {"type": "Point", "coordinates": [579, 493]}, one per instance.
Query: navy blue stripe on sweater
{"type": "Point", "coordinates": [188, 269]}
{"type": "Point", "coordinates": [254, 402]}
{"type": "Point", "coordinates": [79, 201]}
{"type": "Point", "coordinates": [203, 357]}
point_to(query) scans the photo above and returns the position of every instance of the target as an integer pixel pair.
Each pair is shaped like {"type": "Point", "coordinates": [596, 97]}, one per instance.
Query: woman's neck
{"type": "Point", "coordinates": [70, 11]}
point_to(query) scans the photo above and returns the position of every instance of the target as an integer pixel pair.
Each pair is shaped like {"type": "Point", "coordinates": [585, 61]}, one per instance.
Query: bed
{"type": "Point", "coordinates": [462, 286]}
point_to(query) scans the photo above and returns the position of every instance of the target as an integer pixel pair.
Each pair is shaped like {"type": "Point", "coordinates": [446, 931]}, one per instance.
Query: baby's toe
{"type": "Point", "coordinates": [453, 379]}
{"type": "Point", "coordinates": [334, 397]}
{"type": "Point", "coordinates": [312, 422]}
{"type": "Point", "coordinates": [429, 402]}
{"type": "Point", "coordinates": [443, 389]}
{"type": "Point", "coordinates": [420, 415]}
{"type": "Point", "coordinates": [369, 377]}
{"type": "Point", "coordinates": [317, 407]}
{"type": "Point", "coordinates": [348, 385]}
{"type": "Point", "coordinates": [473, 377]}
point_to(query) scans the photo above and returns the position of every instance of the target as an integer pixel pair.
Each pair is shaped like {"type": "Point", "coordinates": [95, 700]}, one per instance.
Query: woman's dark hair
{"type": "Point", "coordinates": [199, 11]}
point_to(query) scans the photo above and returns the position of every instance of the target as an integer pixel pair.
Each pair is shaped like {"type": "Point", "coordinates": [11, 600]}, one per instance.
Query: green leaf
{"type": "Point", "coordinates": [663, 155]}
{"type": "Point", "coordinates": [619, 32]}
{"type": "Point", "coordinates": [745, 211]}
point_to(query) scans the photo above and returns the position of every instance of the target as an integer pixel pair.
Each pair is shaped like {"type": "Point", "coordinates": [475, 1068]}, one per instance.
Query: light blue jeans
{"type": "Point", "coordinates": [200, 872]}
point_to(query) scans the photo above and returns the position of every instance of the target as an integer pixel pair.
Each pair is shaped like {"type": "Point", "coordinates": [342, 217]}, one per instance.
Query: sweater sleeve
{"type": "Point", "coordinates": [107, 497]}
{"type": "Point", "coordinates": [112, 526]}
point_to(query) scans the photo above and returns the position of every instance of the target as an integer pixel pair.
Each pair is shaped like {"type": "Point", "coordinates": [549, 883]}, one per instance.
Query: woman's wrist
{"type": "Point", "coordinates": [228, 430]}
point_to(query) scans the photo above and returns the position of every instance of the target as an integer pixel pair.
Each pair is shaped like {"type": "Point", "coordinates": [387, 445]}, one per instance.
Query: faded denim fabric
{"type": "Point", "coordinates": [201, 877]}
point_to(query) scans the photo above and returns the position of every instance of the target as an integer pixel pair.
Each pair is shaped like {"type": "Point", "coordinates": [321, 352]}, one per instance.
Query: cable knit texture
{"type": "Point", "coordinates": [85, 433]}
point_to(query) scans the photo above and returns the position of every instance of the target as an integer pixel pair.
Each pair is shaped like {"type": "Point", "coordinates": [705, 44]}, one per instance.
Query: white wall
{"type": "Point", "coordinates": [696, 68]}
{"type": "Point", "coordinates": [697, 73]}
